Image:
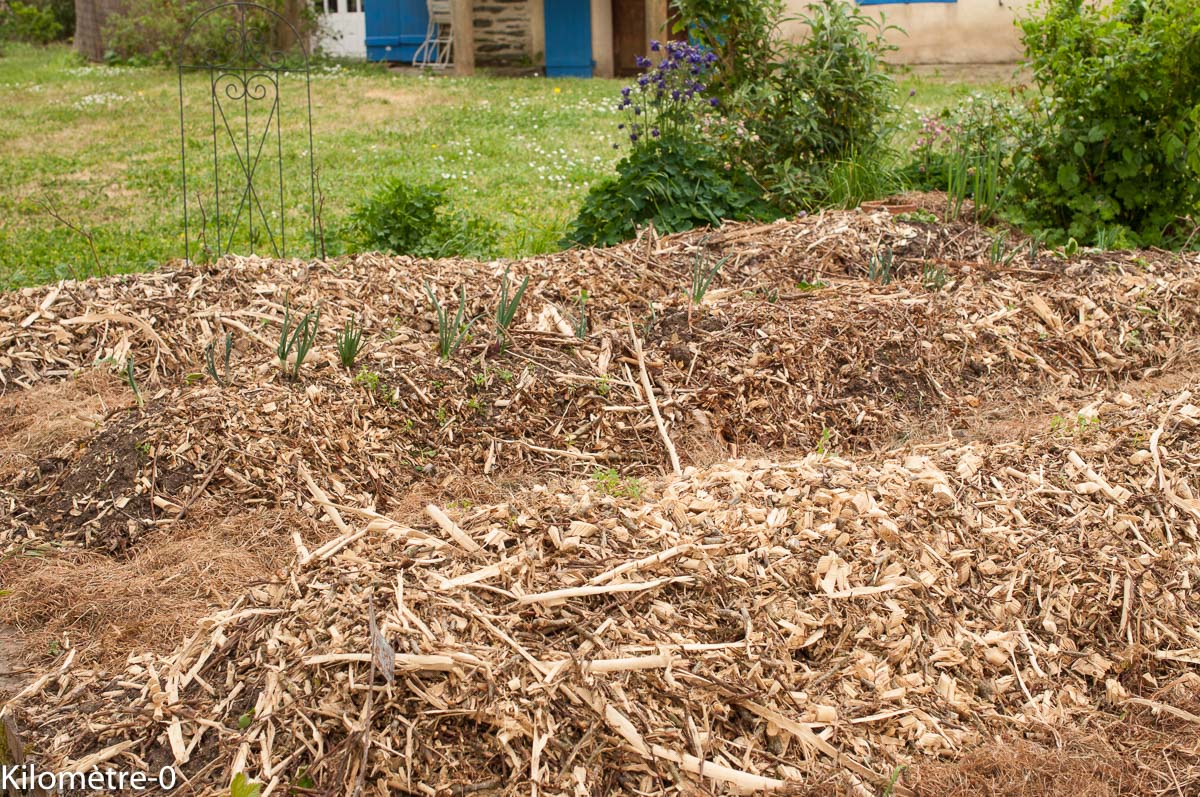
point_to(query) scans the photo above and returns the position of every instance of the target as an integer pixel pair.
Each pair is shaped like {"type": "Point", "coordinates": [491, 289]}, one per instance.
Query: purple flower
{"type": "Point", "coordinates": [625, 91]}
{"type": "Point", "coordinates": [642, 61]}
{"type": "Point", "coordinates": [713, 101]}
{"type": "Point", "coordinates": [654, 45]}
{"type": "Point", "coordinates": [633, 137]}
{"type": "Point", "coordinates": [654, 132]}
{"type": "Point", "coordinates": [912, 92]}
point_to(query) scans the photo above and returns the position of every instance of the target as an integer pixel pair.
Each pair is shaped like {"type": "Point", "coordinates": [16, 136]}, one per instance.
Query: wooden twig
{"type": "Point", "coordinates": [662, 427]}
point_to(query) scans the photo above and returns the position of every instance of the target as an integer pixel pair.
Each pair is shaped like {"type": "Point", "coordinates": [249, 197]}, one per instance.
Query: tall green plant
{"type": "Point", "coordinates": [738, 32]}
{"type": "Point", "coordinates": [296, 339]}
{"type": "Point", "coordinates": [1114, 139]}
{"type": "Point", "coordinates": [796, 109]}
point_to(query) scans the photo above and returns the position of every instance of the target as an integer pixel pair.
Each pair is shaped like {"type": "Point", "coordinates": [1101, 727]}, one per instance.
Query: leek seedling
{"type": "Point", "coordinates": [506, 311]}
{"type": "Point", "coordinates": [451, 333]}
{"type": "Point", "coordinates": [349, 342]}
{"type": "Point", "coordinates": [210, 360]}
{"type": "Point", "coordinates": [298, 340]}
{"type": "Point", "coordinates": [880, 267]}
{"type": "Point", "coordinates": [702, 277]}
{"type": "Point", "coordinates": [581, 327]}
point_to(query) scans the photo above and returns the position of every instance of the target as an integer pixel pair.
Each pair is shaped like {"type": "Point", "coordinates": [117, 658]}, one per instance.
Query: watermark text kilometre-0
{"type": "Point", "coordinates": [29, 776]}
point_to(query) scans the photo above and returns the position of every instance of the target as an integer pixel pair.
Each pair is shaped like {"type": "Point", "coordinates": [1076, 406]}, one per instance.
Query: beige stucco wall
{"type": "Point", "coordinates": [963, 32]}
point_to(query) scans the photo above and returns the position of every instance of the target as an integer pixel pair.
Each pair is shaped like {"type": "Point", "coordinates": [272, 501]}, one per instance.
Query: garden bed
{"type": "Point", "coordinates": [810, 529]}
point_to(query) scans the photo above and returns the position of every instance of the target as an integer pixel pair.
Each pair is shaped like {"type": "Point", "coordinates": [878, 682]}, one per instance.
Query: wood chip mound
{"type": "Point", "coordinates": [777, 540]}
{"type": "Point", "coordinates": [790, 351]}
{"type": "Point", "coordinates": [732, 630]}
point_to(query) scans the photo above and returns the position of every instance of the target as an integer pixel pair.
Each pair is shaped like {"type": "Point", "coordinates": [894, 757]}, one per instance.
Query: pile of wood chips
{"type": "Point", "coordinates": [689, 552]}
{"type": "Point", "coordinates": [735, 627]}
{"type": "Point", "coordinates": [777, 358]}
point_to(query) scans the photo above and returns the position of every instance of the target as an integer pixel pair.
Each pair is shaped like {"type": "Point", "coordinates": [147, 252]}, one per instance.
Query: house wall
{"type": "Point", "coordinates": [503, 30]}
{"type": "Point", "coordinates": [966, 31]}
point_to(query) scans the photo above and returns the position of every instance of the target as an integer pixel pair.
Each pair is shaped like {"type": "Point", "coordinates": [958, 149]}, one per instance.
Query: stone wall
{"type": "Point", "coordinates": [502, 31]}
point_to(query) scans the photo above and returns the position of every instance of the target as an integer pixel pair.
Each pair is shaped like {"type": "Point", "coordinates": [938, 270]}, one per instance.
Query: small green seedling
{"type": "Point", "coordinates": [506, 311]}
{"type": "Point", "coordinates": [823, 445]}
{"type": "Point", "coordinates": [298, 340]}
{"type": "Point", "coordinates": [131, 380]}
{"type": "Point", "coordinates": [581, 326]}
{"type": "Point", "coordinates": [451, 332]}
{"type": "Point", "coordinates": [349, 342]}
{"type": "Point", "coordinates": [244, 787]}
{"type": "Point", "coordinates": [933, 276]}
{"type": "Point", "coordinates": [610, 482]}
{"type": "Point", "coordinates": [998, 253]}
{"type": "Point", "coordinates": [368, 379]}
{"type": "Point", "coordinates": [210, 360]}
{"type": "Point", "coordinates": [879, 269]}
{"type": "Point", "coordinates": [702, 276]}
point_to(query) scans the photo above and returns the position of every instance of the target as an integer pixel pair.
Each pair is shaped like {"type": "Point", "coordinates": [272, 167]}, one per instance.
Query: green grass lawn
{"type": "Point", "coordinates": [100, 145]}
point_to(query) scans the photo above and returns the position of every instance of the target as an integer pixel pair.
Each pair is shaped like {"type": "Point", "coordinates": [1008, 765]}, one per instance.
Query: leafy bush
{"type": "Point", "coordinates": [415, 219]}
{"type": "Point", "coordinates": [805, 105]}
{"type": "Point", "coordinates": [739, 34]}
{"type": "Point", "coordinates": [1112, 149]}
{"type": "Point", "coordinates": [29, 23]}
{"type": "Point", "coordinates": [677, 185]}
{"type": "Point", "coordinates": [151, 31]}
{"type": "Point", "coordinates": [672, 177]}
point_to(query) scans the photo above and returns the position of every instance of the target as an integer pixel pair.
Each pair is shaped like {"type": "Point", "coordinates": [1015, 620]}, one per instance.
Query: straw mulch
{"type": "Point", "coordinates": [791, 350]}
{"type": "Point", "coordinates": [733, 630]}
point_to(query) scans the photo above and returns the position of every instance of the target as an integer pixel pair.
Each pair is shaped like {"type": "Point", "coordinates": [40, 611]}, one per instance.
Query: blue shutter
{"type": "Point", "coordinates": [568, 38]}
{"type": "Point", "coordinates": [395, 28]}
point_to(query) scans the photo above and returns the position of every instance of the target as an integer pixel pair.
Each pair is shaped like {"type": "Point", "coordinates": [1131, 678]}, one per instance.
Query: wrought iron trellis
{"type": "Point", "coordinates": [245, 74]}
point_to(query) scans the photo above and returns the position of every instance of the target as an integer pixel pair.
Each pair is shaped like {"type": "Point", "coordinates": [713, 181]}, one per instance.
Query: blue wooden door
{"type": "Point", "coordinates": [568, 38]}
{"type": "Point", "coordinates": [395, 28]}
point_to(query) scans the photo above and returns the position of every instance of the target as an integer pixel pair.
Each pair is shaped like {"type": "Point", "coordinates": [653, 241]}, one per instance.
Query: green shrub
{"type": "Point", "coordinates": [676, 186]}
{"type": "Point", "coordinates": [29, 23]}
{"type": "Point", "coordinates": [151, 31]}
{"type": "Point", "coordinates": [677, 175]}
{"type": "Point", "coordinates": [416, 219]}
{"type": "Point", "coordinates": [1112, 149]}
{"type": "Point", "coordinates": [794, 109]}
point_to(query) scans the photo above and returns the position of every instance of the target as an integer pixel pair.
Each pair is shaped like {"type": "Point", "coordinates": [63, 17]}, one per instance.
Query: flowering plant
{"type": "Point", "coordinates": [668, 99]}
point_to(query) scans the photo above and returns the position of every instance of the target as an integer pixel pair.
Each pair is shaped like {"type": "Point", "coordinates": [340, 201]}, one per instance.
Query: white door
{"type": "Point", "coordinates": [343, 27]}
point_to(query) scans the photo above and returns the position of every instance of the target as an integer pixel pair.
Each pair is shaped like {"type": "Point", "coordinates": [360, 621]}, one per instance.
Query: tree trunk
{"type": "Point", "coordinates": [90, 16]}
